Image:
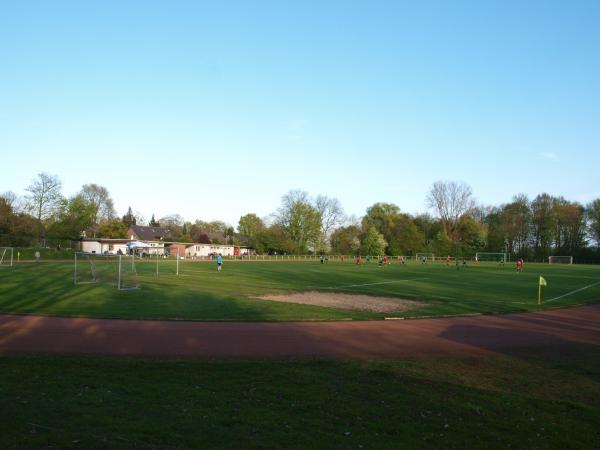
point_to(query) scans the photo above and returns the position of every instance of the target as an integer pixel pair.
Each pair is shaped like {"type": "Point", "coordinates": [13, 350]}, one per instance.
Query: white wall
{"type": "Point", "coordinates": [102, 247]}
{"type": "Point", "coordinates": [203, 250]}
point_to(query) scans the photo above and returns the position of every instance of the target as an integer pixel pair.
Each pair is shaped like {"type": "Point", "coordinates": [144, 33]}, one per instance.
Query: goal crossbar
{"type": "Point", "coordinates": [491, 256]}
{"type": "Point", "coordinates": [560, 260]}
{"type": "Point", "coordinates": [117, 270]}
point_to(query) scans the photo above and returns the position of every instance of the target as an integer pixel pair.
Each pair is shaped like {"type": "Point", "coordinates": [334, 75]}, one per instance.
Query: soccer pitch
{"type": "Point", "coordinates": [201, 293]}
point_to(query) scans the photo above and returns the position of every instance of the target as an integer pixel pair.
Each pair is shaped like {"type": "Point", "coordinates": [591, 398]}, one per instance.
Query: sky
{"type": "Point", "coordinates": [216, 109]}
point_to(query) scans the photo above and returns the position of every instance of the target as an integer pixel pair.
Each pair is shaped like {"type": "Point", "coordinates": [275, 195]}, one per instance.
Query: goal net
{"type": "Point", "coordinates": [117, 270]}
{"type": "Point", "coordinates": [6, 256]}
{"type": "Point", "coordinates": [425, 257]}
{"type": "Point", "coordinates": [156, 263]}
{"type": "Point", "coordinates": [490, 256]}
{"type": "Point", "coordinates": [560, 259]}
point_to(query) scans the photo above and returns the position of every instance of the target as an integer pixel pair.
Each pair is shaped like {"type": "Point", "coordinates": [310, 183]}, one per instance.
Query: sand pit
{"type": "Point", "coordinates": [346, 301]}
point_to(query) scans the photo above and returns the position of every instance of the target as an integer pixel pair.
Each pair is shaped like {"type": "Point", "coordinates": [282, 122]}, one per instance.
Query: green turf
{"type": "Point", "coordinates": [201, 293]}
{"type": "Point", "coordinates": [526, 400]}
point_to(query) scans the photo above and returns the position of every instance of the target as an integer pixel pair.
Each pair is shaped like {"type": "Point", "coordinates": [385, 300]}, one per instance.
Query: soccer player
{"type": "Point", "coordinates": [448, 261]}
{"type": "Point", "coordinates": [520, 265]}
{"type": "Point", "coordinates": [219, 262]}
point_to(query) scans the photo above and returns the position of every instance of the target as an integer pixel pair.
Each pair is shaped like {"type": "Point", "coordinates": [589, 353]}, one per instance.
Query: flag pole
{"type": "Point", "coordinates": [540, 294]}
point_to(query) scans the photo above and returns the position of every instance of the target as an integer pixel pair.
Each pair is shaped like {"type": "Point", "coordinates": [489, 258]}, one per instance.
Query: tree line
{"type": "Point", "coordinates": [530, 228]}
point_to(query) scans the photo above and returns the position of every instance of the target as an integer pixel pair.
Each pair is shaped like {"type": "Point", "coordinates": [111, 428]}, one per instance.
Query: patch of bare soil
{"type": "Point", "coordinates": [346, 301]}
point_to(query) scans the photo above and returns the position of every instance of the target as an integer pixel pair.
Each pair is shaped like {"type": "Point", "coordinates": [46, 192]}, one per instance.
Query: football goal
{"type": "Point", "coordinates": [425, 257]}
{"type": "Point", "coordinates": [560, 259]}
{"type": "Point", "coordinates": [116, 270]}
{"type": "Point", "coordinates": [6, 256]}
{"type": "Point", "coordinates": [490, 256]}
{"type": "Point", "coordinates": [155, 263]}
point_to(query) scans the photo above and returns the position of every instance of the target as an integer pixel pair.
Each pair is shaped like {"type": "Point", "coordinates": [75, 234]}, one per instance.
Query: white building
{"type": "Point", "coordinates": [204, 250]}
{"type": "Point", "coordinates": [118, 246]}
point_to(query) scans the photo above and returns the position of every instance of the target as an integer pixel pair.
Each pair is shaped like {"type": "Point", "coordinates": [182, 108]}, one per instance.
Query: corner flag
{"type": "Point", "coordinates": [541, 283]}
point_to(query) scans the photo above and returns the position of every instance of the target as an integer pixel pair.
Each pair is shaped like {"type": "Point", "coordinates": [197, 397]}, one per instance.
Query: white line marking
{"type": "Point", "coordinates": [372, 284]}
{"type": "Point", "coordinates": [573, 292]}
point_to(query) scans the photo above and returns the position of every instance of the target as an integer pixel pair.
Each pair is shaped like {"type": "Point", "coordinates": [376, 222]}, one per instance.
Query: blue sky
{"type": "Point", "coordinates": [215, 110]}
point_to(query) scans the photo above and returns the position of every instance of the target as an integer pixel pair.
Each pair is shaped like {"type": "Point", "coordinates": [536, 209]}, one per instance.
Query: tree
{"type": "Point", "coordinates": [373, 243]}
{"type": "Point", "coordinates": [300, 220]}
{"type": "Point", "coordinates": [570, 225]}
{"type": "Point", "coordinates": [113, 228]}
{"type": "Point", "coordinates": [99, 198]}
{"type": "Point", "coordinates": [346, 240]}
{"type": "Point", "coordinates": [76, 215]}
{"type": "Point", "coordinates": [273, 239]}
{"type": "Point", "coordinates": [44, 198]}
{"type": "Point", "coordinates": [450, 199]}
{"type": "Point", "coordinates": [543, 224]}
{"type": "Point", "coordinates": [516, 224]}
{"type": "Point", "coordinates": [129, 219]}
{"type": "Point", "coordinates": [250, 224]}
{"type": "Point", "coordinates": [153, 222]}
{"type": "Point", "coordinates": [405, 237]}
{"type": "Point", "coordinates": [332, 216]}
{"type": "Point", "coordinates": [593, 218]}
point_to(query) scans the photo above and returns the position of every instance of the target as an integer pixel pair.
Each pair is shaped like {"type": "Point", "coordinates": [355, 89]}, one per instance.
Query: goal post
{"type": "Point", "coordinates": [560, 260]}
{"type": "Point", "coordinates": [425, 257]}
{"type": "Point", "coordinates": [116, 270]}
{"type": "Point", "coordinates": [6, 256]}
{"type": "Point", "coordinates": [157, 263]}
{"type": "Point", "coordinates": [491, 256]}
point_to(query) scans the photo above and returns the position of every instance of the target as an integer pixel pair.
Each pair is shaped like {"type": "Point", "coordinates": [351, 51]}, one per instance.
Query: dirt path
{"type": "Point", "coordinates": [461, 335]}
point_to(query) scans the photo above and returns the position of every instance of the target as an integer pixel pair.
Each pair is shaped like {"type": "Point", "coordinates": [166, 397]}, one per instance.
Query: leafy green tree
{"type": "Point", "coordinates": [381, 216]}
{"type": "Point", "coordinates": [153, 222]}
{"type": "Point", "coordinates": [495, 235]}
{"type": "Point", "coordinates": [405, 237]}
{"type": "Point", "coordinates": [113, 228]}
{"type": "Point", "coordinates": [250, 224]}
{"type": "Point", "coordinates": [570, 228]}
{"type": "Point", "coordinates": [300, 220]}
{"type": "Point", "coordinates": [76, 215]}
{"type": "Point", "coordinates": [373, 243]}
{"type": "Point", "coordinates": [272, 240]}
{"type": "Point", "coordinates": [346, 240]}
{"type": "Point", "coordinates": [472, 235]}
{"type": "Point", "coordinates": [543, 224]}
{"type": "Point", "coordinates": [593, 217]}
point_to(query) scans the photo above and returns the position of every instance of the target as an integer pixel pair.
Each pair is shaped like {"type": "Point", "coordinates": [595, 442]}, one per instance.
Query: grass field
{"type": "Point", "coordinates": [201, 293]}
{"type": "Point", "coordinates": [518, 400]}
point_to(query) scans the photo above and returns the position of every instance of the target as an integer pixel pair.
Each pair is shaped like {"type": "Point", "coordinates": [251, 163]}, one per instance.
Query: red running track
{"type": "Point", "coordinates": [445, 336]}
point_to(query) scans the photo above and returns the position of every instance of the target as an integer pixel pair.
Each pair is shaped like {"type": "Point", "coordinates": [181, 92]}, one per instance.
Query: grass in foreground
{"type": "Point", "coordinates": [507, 401]}
{"type": "Point", "coordinates": [200, 293]}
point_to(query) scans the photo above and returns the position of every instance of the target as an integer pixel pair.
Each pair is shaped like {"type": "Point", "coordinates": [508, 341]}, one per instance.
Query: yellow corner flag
{"type": "Point", "coordinates": [541, 283]}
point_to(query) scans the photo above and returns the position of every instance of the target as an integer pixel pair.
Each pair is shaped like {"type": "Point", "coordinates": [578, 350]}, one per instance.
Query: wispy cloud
{"type": "Point", "coordinates": [550, 155]}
